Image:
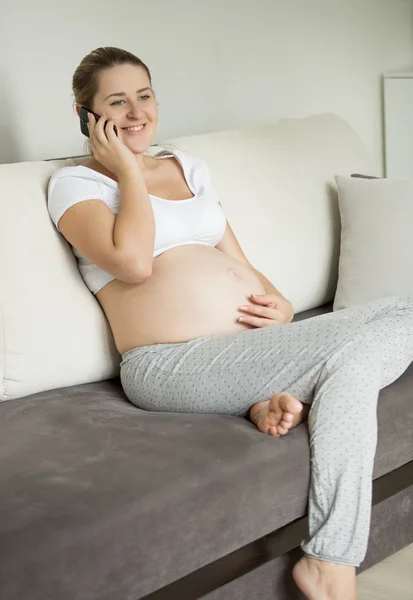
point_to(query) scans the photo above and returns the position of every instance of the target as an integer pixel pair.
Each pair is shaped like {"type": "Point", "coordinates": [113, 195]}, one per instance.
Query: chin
{"type": "Point", "coordinates": [139, 149]}
{"type": "Point", "coordinates": [139, 145]}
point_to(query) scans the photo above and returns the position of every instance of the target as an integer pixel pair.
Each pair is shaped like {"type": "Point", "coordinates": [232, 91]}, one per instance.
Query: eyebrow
{"type": "Point", "coordinates": [123, 93]}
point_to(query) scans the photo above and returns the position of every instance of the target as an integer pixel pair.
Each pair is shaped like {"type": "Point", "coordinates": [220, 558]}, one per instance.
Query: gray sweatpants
{"type": "Point", "coordinates": [337, 362]}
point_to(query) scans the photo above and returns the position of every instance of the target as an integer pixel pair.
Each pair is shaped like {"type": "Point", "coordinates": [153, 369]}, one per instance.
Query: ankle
{"type": "Point", "coordinates": [325, 567]}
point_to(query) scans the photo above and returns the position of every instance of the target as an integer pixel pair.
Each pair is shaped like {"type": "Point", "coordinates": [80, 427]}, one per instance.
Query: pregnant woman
{"type": "Point", "coordinates": [154, 246]}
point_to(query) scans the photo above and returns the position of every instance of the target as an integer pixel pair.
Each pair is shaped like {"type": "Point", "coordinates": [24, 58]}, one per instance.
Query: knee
{"type": "Point", "coordinates": [400, 302]}
{"type": "Point", "coordinates": [406, 301]}
{"type": "Point", "coordinates": [350, 333]}
{"type": "Point", "coordinates": [357, 350]}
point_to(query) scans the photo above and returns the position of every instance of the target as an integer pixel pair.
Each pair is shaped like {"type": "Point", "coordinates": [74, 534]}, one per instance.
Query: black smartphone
{"type": "Point", "coordinates": [84, 121]}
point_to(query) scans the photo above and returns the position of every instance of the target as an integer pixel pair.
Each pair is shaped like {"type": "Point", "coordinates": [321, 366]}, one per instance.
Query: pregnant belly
{"type": "Point", "coordinates": [194, 290]}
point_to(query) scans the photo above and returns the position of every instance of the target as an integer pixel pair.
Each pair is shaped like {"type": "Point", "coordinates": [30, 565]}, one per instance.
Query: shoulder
{"type": "Point", "coordinates": [74, 172]}
{"type": "Point", "coordinates": [70, 185]}
{"type": "Point", "coordinates": [72, 182]}
{"type": "Point", "coordinates": [74, 178]}
{"type": "Point", "coordinates": [186, 158]}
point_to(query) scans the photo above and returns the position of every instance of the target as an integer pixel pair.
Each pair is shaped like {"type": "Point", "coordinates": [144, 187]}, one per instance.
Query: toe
{"type": "Point", "coordinates": [286, 424]}
{"type": "Point", "coordinates": [287, 419]}
{"type": "Point", "coordinates": [290, 404]}
{"type": "Point", "coordinates": [282, 430]}
{"type": "Point", "coordinates": [273, 431]}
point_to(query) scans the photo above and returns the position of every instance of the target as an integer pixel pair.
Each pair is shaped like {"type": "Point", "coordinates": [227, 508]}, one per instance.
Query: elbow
{"type": "Point", "coordinates": [137, 273]}
{"type": "Point", "coordinates": [143, 274]}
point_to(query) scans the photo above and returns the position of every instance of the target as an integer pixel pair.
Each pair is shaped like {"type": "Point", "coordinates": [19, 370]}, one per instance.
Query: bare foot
{"type": "Point", "coordinates": [321, 580]}
{"type": "Point", "coordinates": [277, 415]}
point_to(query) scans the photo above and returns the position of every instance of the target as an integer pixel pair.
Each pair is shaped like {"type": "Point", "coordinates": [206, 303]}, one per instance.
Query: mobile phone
{"type": "Point", "coordinates": [84, 121]}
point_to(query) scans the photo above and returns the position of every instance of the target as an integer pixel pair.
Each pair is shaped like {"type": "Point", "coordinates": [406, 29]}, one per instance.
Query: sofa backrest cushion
{"type": "Point", "coordinates": [276, 185]}
{"type": "Point", "coordinates": [52, 330]}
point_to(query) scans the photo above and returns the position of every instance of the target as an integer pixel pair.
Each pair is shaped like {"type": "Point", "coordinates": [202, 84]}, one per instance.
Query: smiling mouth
{"type": "Point", "coordinates": [135, 129]}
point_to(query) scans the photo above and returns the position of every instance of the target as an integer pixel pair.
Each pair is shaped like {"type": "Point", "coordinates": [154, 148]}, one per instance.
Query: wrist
{"type": "Point", "coordinates": [128, 173]}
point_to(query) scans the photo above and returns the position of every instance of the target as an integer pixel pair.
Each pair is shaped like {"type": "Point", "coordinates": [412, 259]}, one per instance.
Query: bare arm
{"type": "Point", "coordinates": [134, 230]}
{"type": "Point", "coordinates": [122, 244]}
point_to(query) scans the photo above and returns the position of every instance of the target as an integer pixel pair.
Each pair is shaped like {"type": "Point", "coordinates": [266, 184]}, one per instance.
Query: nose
{"type": "Point", "coordinates": [136, 111]}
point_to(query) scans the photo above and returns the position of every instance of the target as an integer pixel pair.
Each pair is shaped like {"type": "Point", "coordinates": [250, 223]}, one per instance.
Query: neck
{"type": "Point", "coordinates": [141, 161]}
{"type": "Point", "coordinates": [145, 164]}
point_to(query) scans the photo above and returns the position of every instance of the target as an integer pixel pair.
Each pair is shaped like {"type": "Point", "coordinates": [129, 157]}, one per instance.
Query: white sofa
{"type": "Point", "coordinates": [103, 501]}
{"type": "Point", "coordinates": [276, 185]}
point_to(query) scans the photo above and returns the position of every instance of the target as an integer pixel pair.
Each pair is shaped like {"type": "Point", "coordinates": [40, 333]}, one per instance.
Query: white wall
{"type": "Point", "coordinates": [216, 65]}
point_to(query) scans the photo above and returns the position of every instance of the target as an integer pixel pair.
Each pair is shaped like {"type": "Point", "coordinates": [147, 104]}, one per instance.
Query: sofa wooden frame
{"type": "Point", "coordinates": [257, 553]}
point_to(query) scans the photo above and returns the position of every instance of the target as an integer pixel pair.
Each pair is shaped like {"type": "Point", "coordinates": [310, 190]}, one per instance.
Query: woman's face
{"type": "Point", "coordinates": [125, 95]}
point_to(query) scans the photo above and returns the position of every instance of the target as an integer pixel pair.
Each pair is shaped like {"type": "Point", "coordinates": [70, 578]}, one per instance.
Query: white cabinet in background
{"type": "Point", "coordinates": [398, 125]}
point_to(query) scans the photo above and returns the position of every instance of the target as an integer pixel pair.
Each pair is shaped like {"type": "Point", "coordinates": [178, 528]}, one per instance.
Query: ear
{"type": "Point", "coordinates": [78, 107]}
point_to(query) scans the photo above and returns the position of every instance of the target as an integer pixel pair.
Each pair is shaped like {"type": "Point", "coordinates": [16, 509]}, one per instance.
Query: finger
{"type": "Point", "coordinates": [91, 124]}
{"type": "Point", "coordinates": [261, 311]}
{"type": "Point", "coordinates": [264, 299]}
{"type": "Point", "coordinates": [256, 321]}
{"type": "Point", "coordinates": [92, 121]}
{"type": "Point", "coordinates": [101, 127]}
{"type": "Point", "coordinates": [261, 297]}
{"type": "Point", "coordinates": [99, 131]}
{"type": "Point", "coordinates": [109, 130]}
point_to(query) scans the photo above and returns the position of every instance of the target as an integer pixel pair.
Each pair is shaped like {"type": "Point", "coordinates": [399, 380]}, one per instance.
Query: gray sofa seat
{"type": "Point", "coordinates": [102, 500]}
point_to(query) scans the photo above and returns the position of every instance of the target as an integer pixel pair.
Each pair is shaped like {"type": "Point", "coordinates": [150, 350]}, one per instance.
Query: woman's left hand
{"type": "Point", "coordinates": [266, 311]}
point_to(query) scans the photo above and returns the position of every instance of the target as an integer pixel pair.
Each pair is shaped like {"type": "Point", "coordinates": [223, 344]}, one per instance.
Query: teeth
{"type": "Point", "coordinates": [133, 128]}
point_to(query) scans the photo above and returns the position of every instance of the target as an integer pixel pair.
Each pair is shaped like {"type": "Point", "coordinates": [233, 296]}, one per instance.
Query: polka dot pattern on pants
{"type": "Point", "coordinates": [336, 362]}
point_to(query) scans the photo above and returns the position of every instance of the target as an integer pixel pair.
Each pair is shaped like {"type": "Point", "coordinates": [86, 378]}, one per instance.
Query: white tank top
{"type": "Point", "coordinates": [198, 220]}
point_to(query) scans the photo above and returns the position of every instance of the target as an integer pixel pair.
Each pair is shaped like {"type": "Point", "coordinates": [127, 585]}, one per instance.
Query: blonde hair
{"type": "Point", "coordinates": [85, 80]}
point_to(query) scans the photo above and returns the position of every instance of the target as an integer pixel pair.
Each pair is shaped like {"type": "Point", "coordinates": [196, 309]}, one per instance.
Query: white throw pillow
{"type": "Point", "coordinates": [376, 253]}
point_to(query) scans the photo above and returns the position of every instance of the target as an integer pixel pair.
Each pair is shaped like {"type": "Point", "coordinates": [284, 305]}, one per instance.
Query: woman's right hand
{"type": "Point", "coordinates": [109, 149]}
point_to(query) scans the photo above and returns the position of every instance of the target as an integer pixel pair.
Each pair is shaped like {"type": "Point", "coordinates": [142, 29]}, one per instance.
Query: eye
{"type": "Point", "coordinates": [146, 97]}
